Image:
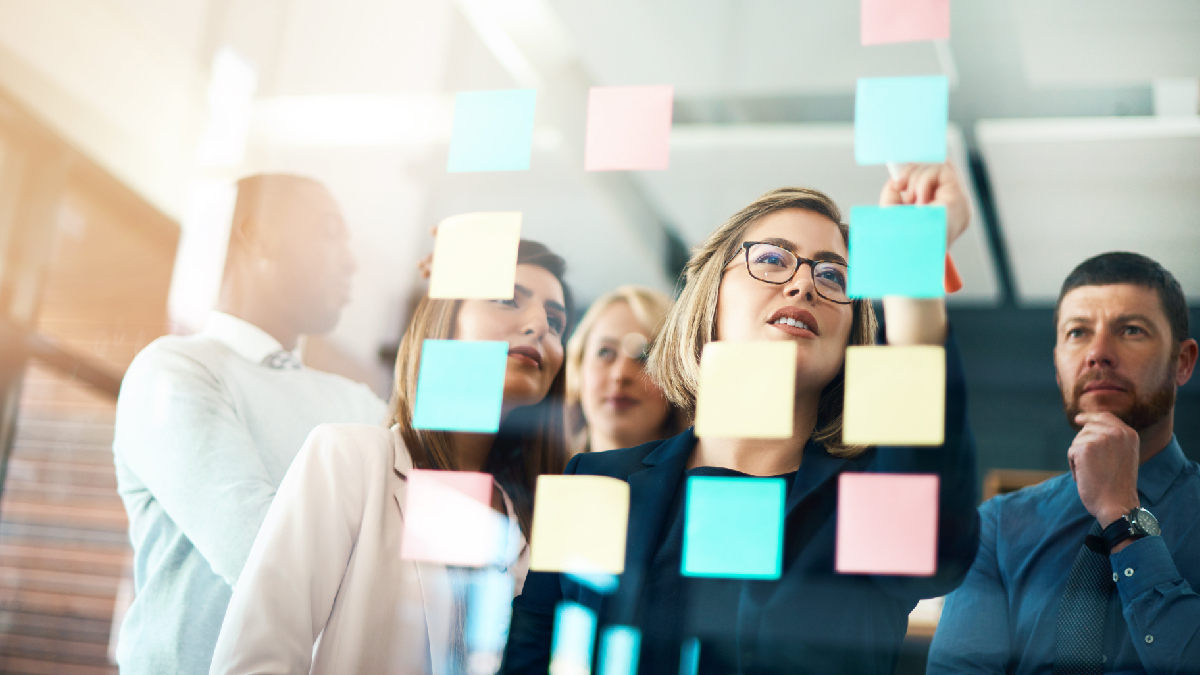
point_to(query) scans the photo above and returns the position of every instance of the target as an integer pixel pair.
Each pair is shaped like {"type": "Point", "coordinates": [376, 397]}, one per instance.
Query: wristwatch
{"type": "Point", "coordinates": [1136, 524]}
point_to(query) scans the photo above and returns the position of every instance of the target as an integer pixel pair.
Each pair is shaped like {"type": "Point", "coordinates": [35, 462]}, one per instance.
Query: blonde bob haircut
{"type": "Point", "coordinates": [650, 308]}
{"type": "Point", "coordinates": [531, 440]}
{"type": "Point", "coordinates": [675, 356]}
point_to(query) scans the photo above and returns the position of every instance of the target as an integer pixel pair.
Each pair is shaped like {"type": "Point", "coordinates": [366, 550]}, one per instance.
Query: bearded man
{"type": "Point", "coordinates": [1095, 571]}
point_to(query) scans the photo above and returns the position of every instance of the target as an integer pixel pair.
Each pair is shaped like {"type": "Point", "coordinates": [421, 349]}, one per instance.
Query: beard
{"type": "Point", "coordinates": [1145, 412]}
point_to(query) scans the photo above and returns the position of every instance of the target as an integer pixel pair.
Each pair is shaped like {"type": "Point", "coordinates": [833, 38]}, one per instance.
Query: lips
{"type": "Point", "coordinates": [533, 356]}
{"type": "Point", "coordinates": [1101, 386]}
{"type": "Point", "coordinates": [795, 321]}
{"type": "Point", "coordinates": [621, 403]}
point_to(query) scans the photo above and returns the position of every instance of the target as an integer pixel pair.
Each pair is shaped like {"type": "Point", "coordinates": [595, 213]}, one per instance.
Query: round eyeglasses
{"type": "Point", "coordinates": [776, 265]}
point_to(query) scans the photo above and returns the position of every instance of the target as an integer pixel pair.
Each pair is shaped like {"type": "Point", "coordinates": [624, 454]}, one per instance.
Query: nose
{"type": "Point", "coordinates": [536, 322]}
{"type": "Point", "coordinates": [801, 284]}
{"type": "Point", "coordinates": [1100, 352]}
{"type": "Point", "coordinates": [625, 369]}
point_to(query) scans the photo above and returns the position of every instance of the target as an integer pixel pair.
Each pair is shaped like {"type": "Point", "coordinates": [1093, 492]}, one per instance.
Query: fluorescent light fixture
{"type": "Point", "coordinates": [354, 119]}
{"type": "Point", "coordinates": [200, 259]}
{"type": "Point", "coordinates": [231, 90]}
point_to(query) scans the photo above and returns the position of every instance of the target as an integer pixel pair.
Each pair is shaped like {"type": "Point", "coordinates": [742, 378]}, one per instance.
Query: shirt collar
{"type": "Point", "coordinates": [1156, 475]}
{"type": "Point", "coordinates": [244, 338]}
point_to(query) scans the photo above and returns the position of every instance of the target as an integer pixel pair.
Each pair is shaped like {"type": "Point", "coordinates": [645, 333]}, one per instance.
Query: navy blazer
{"type": "Point", "coordinates": [811, 619]}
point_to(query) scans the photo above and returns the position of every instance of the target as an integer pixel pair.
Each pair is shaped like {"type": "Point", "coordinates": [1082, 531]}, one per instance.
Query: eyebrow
{"type": "Point", "coordinates": [1120, 318]}
{"type": "Point", "coordinates": [823, 256]}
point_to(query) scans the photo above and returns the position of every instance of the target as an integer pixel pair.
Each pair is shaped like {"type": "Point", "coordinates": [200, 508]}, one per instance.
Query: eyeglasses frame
{"type": "Point", "coordinates": [800, 261]}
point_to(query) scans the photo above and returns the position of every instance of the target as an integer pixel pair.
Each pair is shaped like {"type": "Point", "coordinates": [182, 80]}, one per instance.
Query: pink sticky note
{"type": "Point", "coordinates": [448, 519]}
{"type": "Point", "coordinates": [629, 128]}
{"type": "Point", "coordinates": [885, 21]}
{"type": "Point", "coordinates": [887, 524]}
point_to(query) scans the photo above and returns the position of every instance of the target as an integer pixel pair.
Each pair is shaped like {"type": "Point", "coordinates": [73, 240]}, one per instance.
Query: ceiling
{"type": "Point", "coordinates": [1051, 106]}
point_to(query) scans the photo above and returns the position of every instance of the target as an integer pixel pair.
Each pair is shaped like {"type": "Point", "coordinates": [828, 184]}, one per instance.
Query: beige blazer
{"type": "Point", "coordinates": [326, 564]}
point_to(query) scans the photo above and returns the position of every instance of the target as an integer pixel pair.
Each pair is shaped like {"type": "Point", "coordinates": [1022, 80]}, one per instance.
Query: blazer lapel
{"type": "Point", "coordinates": [817, 467]}
{"type": "Point", "coordinates": [436, 595]}
{"type": "Point", "coordinates": [650, 494]}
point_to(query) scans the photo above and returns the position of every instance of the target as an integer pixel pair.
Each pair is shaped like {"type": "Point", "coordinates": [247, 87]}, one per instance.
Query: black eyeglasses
{"type": "Point", "coordinates": [776, 265]}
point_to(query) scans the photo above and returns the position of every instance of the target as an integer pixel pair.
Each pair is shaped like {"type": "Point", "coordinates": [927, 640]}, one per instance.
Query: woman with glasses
{"type": "Point", "coordinates": [611, 400]}
{"type": "Point", "coordinates": [775, 271]}
{"type": "Point", "coordinates": [328, 562]}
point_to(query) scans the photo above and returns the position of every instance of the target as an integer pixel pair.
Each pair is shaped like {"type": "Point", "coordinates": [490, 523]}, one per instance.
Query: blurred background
{"type": "Point", "coordinates": [1076, 124]}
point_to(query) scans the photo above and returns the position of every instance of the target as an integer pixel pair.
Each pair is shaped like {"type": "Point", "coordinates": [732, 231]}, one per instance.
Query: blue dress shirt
{"type": "Point", "coordinates": [1003, 618]}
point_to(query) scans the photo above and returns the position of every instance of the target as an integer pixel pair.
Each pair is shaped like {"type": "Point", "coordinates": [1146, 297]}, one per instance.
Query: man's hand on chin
{"type": "Point", "coordinates": [1104, 462]}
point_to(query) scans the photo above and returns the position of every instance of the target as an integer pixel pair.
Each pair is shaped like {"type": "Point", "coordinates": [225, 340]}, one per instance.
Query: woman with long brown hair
{"type": "Point", "coordinates": [327, 562]}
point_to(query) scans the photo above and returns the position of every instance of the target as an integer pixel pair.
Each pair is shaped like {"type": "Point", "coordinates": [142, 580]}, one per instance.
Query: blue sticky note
{"type": "Point", "coordinates": [460, 385]}
{"type": "Point", "coordinates": [901, 119]}
{"type": "Point", "coordinates": [619, 649]}
{"type": "Point", "coordinates": [574, 635]}
{"type": "Point", "coordinates": [734, 527]}
{"type": "Point", "coordinates": [493, 130]}
{"type": "Point", "coordinates": [689, 656]}
{"type": "Point", "coordinates": [897, 250]}
{"type": "Point", "coordinates": [601, 582]}
{"type": "Point", "coordinates": [489, 610]}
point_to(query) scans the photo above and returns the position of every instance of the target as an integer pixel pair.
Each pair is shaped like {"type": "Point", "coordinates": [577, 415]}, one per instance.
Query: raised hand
{"type": "Point", "coordinates": [922, 184]}
{"type": "Point", "coordinates": [1104, 459]}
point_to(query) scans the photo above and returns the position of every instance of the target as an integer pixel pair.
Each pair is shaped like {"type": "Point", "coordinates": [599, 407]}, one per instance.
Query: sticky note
{"type": "Point", "coordinates": [460, 385]}
{"type": "Point", "coordinates": [574, 636]}
{"type": "Point", "coordinates": [475, 256]}
{"type": "Point", "coordinates": [579, 524]}
{"type": "Point", "coordinates": [489, 611]}
{"type": "Point", "coordinates": [887, 524]}
{"type": "Point", "coordinates": [448, 519]}
{"type": "Point", "coordinates": [689, 656]}
{"type": "Point", "coordinates": [733, 527]}
{"type": "Point", "coordinates": [629, 128]}
{"type": "Point", "coordinates": [493, 130]}
{"type": "Point", "coordinates": [601, 582]}
{"type": "Point", "coordinates": [897, 250]}
{"type": "Point", "coordinates": [747, 389]}
{"type": "Point", "coordinates": [895, 396]}
{"type": "Point", "coordinates": [619, 650]}
{"type": "Point", "coordinates": [885, 21]}
{"type": "Point", "coordinates": [901, 119]}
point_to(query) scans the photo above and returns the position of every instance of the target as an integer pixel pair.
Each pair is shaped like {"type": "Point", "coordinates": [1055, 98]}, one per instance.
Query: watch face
{"type": "Point", "coordinates": [1145, 521]}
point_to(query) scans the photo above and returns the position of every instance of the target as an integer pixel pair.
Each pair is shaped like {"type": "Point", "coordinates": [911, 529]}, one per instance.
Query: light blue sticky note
{"type": "Point", "coordinates": [489, 610]}
{"type": "Point", "coordinates": [897, 250]}
{"type": "Point", "coordinates": [601, 582]}
{"type": "Point", "coordinates": [734, 527]}
{"type": "Point", "coordinates": [574, 636]}
{"type": "Point", "coordinates": [901, 119]}
{"type": "Point", "coordinates": [619, 649]}
{"type": "Point", "coordinates": [493, 130]}
{"type": "Point", "coordinates": [689, 656]}
{"type": "Point", "coordinates": [460, 385]}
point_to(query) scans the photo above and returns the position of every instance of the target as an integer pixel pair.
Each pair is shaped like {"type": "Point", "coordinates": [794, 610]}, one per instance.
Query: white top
{"type": "Point", "coordinates": [204, 435]}
{"type": "Point", "coordinates": [328, 563]}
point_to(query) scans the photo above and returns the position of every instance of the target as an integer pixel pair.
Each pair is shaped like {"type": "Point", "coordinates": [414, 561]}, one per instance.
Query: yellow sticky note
{"type": "Point", "coordinates": [895, 396]}
{"type": "Point", "coordinates": [747, 390]}
{"type": "Point", "coordinates": [475, 256]}
{"type": "Point", "coordinates": [579, 524]}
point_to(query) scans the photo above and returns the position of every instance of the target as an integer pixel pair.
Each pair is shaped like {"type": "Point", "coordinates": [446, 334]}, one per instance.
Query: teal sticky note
{"type": "Point", "coordinates": [901, 119]}
{"type": "Point", "coordinates": [897, 250]}
{"type": "Point", "coordinates": [733, 527]}
{"type": "Point", "coordinates": [489, 610]}
{"type": "Point", "coordinates": [493, 130]}
{"type": "Point", "coordinates": [619, 650]}
{"type": "Point", "coordinates": [574, 635]}
{"type": "Point", "coordinates": [460, 385]}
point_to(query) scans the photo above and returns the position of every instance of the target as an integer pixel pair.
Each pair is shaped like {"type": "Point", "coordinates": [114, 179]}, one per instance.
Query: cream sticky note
{"type": "Point", "coordinates": [887, 524]}
{"type": "Point", "coordinates": [475, 256]}
{"type": "Point", "coordinates": [895, 396]}
{"type": "Point", "coordinates": [629, 128]}
{"type": "Point", "coordinates": [579, 524]}
{"type": "Point", "coordinates": [886, 21]}
{"type": "Point", "coordinates": [448, 519]}
{"type": "Point", "coordinates": [747, 390]}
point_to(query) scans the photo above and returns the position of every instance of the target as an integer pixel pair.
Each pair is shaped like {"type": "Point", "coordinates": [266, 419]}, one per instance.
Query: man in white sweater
{"type": "Point", "coordinates": [208, 424]}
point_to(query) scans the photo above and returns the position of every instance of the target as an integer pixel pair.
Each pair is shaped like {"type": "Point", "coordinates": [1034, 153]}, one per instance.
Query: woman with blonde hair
{"type": "Point", "coordinates": [775, 271]}
{"type": "Point", "coordinates": [611, 400]}
{"type": "Point", "coordinates": [328, 562]}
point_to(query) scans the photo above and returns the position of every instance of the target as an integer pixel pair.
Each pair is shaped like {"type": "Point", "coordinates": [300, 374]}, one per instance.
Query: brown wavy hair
{"type": "Point", "coordinates": [675, 356]}
{"type": "Point", "coordinates": [532, 439]}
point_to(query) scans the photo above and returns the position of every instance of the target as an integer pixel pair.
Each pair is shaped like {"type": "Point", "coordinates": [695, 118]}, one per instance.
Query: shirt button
{"type": "Point", "coordinates": [1103, 658]}
{"type": "Point", "coordinates": [1128, 571]}
{"type": "Point", "coordinates": [1149, 639]}
{"type": "Point", "coordinates": [1116, 577]}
